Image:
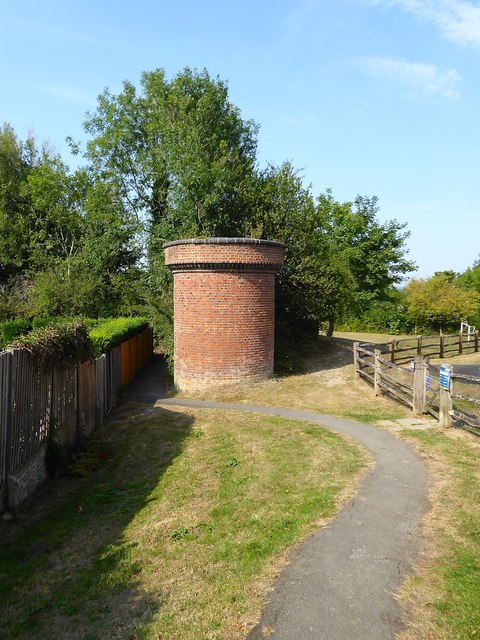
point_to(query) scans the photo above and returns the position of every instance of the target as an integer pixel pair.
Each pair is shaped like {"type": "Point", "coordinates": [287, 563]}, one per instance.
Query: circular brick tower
{"type": "Point", "coordinates": [224, 315]}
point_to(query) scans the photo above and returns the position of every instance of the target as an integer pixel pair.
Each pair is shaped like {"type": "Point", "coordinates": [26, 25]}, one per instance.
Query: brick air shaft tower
{"type": "Point", "coordinates": [224, 309]}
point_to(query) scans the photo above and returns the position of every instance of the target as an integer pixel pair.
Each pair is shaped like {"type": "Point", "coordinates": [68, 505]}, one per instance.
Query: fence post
{"type": "Point", "coordinates": [445, 397]}
{"type": "Point", "coordinates": [419, 345]}
{"type": "Point", "coordinates": [392, 347]}
{"type": "Point", "coordinates": [442, 345]}
{"type": "Point", "coordinates": [377, 373]}
{"type": "Point", "coordinates": [418, 385]}
{"type": "Point", "coordinates": [356, 364]}
{"type": "Point", "coordinates": [460, 344]}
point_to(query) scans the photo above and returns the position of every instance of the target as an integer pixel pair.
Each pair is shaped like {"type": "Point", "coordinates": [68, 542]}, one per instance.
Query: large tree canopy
{"type": "Point", "coordinates": [439, 303]}
{"type": "Point", "coordinates": [178, 151]}
{"type": "Point", "coordinates": [174, 158]}
{"type": "Point", "coordinates": [65, 239]}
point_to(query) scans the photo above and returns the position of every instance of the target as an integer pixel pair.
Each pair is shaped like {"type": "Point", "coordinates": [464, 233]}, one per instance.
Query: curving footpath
{"type": "Point", "coordinates": [341, 580]}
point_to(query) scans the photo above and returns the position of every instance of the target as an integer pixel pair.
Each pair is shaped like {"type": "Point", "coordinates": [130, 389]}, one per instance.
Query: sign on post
{"type": "Point", "coordinates": [445, 376]}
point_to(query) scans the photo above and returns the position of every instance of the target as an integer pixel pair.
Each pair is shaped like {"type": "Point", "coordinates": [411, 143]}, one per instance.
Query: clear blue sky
{"type": "Point", "coordinates": [373, 97]}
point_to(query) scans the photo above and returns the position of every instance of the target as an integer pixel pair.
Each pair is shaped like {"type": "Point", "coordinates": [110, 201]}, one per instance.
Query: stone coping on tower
{"type": "Point", "coordinates": [224, 254]}
{"type": "Point", "coordinates": [223, 241]}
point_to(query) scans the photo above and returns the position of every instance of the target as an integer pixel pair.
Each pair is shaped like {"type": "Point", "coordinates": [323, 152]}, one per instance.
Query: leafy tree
{"type": "Point", "coordinates": [16, 161]}
{"type": "Point", "coordinates": [66, 244]}
{"type": "Point", "coordinates": [94, 275]}
{"type": "Point", "coordinates": [315, 284]}
{"type": "Point", "coordinates": [439, 303]}
{"type": "Point", "coordinates": [181, 159]}
{"type": "Point", "coordinates": [470, 279]}
{"type": "Point", "coordinates": [178, 151]}
{"type": "Point", "coordinates": [386, 316]}
{"type": "Point", "coordinates": [40, 218]}
{"type": "Point", "coordinates": [375, 252]}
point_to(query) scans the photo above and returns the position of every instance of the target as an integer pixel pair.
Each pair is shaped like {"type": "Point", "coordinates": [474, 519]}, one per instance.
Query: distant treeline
{"type": "Point", "coordinates": [172, 159]}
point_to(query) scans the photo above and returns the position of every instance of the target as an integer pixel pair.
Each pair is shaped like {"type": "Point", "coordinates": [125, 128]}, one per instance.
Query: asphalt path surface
{"type": "Point", "coordinates": [467, 369]}
{"type": "Point", "coordinates": [341, 581]}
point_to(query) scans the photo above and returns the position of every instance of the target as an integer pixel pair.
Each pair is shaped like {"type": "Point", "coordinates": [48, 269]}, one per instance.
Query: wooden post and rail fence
{"type": "Point", "coordinates": [66, 403]}
{"type": "Point", "coordinates": [439, 346]}
{"type": "Point", "coordinates": [451, 397]}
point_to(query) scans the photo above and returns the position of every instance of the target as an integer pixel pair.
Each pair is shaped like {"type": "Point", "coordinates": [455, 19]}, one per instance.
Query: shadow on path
{"type": "Point", "coordinates": [68, 567]}
{"type": "Point", "coordinates": [341, 581]}
{"type": "Point", "coordinates": [149, 385]}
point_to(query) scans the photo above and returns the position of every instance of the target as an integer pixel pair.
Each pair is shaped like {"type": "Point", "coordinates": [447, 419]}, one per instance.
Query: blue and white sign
{"type": "Point", "coordinates": [445, 376]}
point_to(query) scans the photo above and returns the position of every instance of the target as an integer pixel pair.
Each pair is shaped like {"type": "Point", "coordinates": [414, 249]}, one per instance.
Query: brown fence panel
{"type": "Point", "coordinates": [116, 371]}
{"type": "Point", "coordinates": [64, 406]}
{"type": "Point", "coordinates": [67, 403]}
{"type": "Point", "coordinates": [135, 353]}
{"type": "Point", "coordinates": [113, 378]}
{"type": "Point", "coordinates": [5, 380]}
{"type": "Point", "coordinates": [125, 349]}
{"type": "Point", "coordinates": [402, 351]}
{"type": "Point", "coordinates": [397, 381]}
{"type": "Point", "coordinates": [100, 408]}
{"type": "Point", "coordinates": [364, 358]}
{"type": "Point", "coordinates": [30, 408]}
{"type": "Point", "coordinates": [108, 382]}
{"type": "Point", "coordinates": [133, 356]}
{"type": "Point", "coordinates": [86, 399]}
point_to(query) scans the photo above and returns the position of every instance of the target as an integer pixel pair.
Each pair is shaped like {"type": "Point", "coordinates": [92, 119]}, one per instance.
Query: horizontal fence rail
{"type": "Point", "coordinates": [419, 385]}
{"type": "Point", "coordinates": [441, 346]}
{"type": "Point", "coordinates": [394, 380]}
{"type": "Point", "coordinates": [62, 404]}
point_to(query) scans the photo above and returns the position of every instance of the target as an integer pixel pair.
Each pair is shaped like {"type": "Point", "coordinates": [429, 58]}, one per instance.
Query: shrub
{"type": "Point", "coordinates": [48, 321]}
{"type": "Point", "coordinates": [13, 329]}
{"type": "Point", "coordinates": [58, 345]}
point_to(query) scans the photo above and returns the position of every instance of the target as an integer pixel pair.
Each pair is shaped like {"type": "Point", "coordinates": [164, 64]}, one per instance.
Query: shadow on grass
{"type": "Point", "coordinates": [310, 355]}
{"type": "Point", "coordinates": [67, 567]}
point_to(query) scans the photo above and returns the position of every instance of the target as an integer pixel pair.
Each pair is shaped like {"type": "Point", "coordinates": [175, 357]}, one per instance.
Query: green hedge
{"type": "Point", "coordinates": [12, 329]}
{"type": "Point", "coordinates": [60, 344]}
{"type": "Point", "coordinates": [40, 322]}
{"type": "Point", "coordinates": [57, 335]}
{"type": "Point", "coordinates": [109, 333]}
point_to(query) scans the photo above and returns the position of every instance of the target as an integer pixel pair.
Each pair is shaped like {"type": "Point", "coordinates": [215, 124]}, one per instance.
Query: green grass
{"type": "Point", "coordinates": [178, 534]}
{"type": "Point", "coordinates": [451, 578]}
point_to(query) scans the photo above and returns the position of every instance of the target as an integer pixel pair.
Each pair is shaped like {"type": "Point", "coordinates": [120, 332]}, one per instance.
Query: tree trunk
{"type": "Point", "coordinates": [330, 327]}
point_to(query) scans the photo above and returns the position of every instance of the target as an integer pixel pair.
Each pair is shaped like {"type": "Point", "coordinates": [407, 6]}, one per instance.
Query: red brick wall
{"type": "Point", "coordinates": [233, 253]}
{"type": "Point", "coordinates": [224, 311]}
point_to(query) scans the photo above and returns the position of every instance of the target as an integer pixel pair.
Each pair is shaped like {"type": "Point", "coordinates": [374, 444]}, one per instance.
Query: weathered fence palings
{"type": "Point", "coordinates": [5, 366]}
{"type": "Point", "coordinates": [72, 401]}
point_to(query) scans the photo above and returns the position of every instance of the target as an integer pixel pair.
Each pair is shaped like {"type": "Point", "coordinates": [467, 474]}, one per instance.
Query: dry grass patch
{"type": "Point", "coordinates": [181, 532]}
{"type": "Point", "coordinates": [469, 358]}
{"type": "Point", "coordinates": [375, 338]}
{"type": "Point", "coordinates": [328, 386]}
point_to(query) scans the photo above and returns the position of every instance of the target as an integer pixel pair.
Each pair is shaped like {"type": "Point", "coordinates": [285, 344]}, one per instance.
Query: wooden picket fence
{"type": "Point", "coordinates": [64, 403]}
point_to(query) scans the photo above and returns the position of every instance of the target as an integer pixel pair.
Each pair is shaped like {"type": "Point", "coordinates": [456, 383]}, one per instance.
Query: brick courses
{"type": "Point", "coordinates": [224, 294]}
